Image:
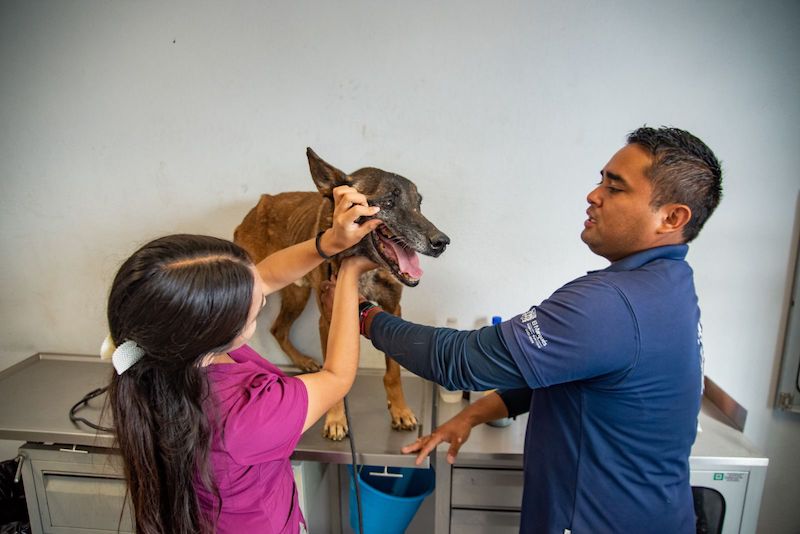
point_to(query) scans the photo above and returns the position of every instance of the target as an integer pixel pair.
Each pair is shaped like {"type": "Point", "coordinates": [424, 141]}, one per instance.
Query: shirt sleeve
{"type": "Point", "coordinates": [265, 422]}
{"type": "Point", "coordinates": [517, 401]}
{"type": "Point", "coordinates": [585, 331]}
{"type": "Point", "coordinates": [474, 360]}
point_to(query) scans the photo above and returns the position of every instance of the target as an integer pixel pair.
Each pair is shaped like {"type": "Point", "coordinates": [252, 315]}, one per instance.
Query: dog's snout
{"type": "Point", "coordinates": [439, 242]}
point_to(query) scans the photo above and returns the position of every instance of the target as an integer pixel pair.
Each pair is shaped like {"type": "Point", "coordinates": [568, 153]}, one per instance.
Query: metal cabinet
{"type": "Point", "coordinates": [482, 492]}
{"type": "Point", "coordinates": [495, 489]}
{"type": "Point", "coordinates": [484, 522]}
{"type": "Point", "coordinates": [484, 500]}
{"type": "Point", "coordinates": [75, 489]}
{"type": "Point", "coordinates": [477, 499]}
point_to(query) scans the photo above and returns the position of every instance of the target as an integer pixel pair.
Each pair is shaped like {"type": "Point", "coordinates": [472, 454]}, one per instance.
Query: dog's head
{"type": "Point", "coordinates": [404, 232]}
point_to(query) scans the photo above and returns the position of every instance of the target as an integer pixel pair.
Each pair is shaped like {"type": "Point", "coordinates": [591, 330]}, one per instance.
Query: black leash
{"type": "Point", "coordinates": [355, 467]}
{"type": "Point", "coordinates": [85, 402]}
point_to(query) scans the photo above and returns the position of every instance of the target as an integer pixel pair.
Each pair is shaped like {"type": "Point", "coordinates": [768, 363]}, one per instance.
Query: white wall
{"type": "Point", "coordinates": [123, 121]}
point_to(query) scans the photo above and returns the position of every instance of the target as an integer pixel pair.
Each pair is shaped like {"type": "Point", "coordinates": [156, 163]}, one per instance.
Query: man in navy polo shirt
{"type": "Point", "coordinates": [610, 366]}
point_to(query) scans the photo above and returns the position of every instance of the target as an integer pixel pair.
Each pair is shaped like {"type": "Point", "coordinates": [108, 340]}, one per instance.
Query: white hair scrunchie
{"type": "Point", "coordinates": [123, 356]}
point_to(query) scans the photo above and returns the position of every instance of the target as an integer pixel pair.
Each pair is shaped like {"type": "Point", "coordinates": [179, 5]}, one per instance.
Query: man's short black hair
{"type": "Point", "coordinates": [684, 171]}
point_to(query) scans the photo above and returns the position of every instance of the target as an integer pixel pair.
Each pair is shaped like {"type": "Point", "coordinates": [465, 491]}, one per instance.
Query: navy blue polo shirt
{"type": "Point", "coordinates": [614, 360]}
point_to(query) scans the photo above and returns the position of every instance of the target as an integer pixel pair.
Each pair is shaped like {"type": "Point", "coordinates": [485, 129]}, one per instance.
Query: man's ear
{"type": "Point", "coordinates": [325, 176]}
{"type": "Point", "coordinates": [675, 217]}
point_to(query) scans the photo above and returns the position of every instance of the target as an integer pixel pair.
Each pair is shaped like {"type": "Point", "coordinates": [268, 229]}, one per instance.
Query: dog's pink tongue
{"type": "Point", "coordinates": [407, 260]}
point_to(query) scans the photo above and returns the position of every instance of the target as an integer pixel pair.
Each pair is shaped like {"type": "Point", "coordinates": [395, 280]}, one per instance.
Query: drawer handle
{"type": "Point", "coordinates": [74, 449]}
{"type": "Point", "coordinates": [19, 459]}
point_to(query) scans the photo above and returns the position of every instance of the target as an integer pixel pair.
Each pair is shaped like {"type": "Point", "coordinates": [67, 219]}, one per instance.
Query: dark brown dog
{"type": "Point", "coordinates": [279, 221]}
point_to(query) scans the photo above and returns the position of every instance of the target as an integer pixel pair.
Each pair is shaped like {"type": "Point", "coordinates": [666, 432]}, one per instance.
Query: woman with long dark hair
{"type": "Point", "coordinates": [204, 424]}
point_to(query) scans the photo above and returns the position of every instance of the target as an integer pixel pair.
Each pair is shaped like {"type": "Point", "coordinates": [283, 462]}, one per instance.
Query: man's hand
{"type": "Point", "coordinates": [349, 206]}
{"type": "Point", "coordinates": [455, 432]}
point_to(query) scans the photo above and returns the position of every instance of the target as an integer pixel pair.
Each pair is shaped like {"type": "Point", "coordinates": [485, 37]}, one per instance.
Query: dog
{"type": "Point", "coordinates": [282, 220]}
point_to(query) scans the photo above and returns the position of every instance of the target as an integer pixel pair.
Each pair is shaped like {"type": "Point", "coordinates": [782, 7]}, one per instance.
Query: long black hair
{"type": "Point", "coordinates": [180, 298]}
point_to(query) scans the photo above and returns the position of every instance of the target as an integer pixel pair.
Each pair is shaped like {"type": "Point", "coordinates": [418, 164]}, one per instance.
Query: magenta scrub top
{"type": "Point", "coordinates": [260, 414]}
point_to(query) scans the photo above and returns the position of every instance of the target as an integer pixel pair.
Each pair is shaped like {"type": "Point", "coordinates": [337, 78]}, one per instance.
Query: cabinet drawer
{"type": "Point", "coordinates": [75, 490]}
{"type": "Point", "coordinates": [487, 488]}
{"type": "Point", "coordinates": [85, 502]}
{"type": "Point", "coordinates": [484, 522]}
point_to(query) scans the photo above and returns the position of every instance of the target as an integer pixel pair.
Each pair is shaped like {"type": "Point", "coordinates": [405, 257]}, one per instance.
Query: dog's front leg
{"type": "Point", "coordinates": [335, 427]}
{"type": "Point", "coordinates": [403, 417]}
{"type": "Point", "coordinates": [293, 302]}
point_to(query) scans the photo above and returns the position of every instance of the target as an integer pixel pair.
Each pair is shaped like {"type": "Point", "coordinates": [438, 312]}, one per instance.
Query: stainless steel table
{"type": "Point", "coordinates": [39, 391]}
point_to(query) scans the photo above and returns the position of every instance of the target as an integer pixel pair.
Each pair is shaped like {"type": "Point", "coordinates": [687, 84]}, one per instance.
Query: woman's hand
{"type": "Point", "coordinates": [349, 206]}
{"type": "Point", "coordinates": [327, 288]}
{"type": "Point", "coordinates": [360, 264]}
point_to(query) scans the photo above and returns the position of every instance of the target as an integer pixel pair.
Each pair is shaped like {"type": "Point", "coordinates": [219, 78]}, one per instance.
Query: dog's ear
{"type": "Point", "coordinates": [325, 176]}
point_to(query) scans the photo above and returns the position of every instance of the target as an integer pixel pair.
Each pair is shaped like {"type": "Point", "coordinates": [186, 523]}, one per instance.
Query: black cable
{"type": "Point", "coordinates": [85, 402]}
{"type": "Point", "coordinates": [355, 467]}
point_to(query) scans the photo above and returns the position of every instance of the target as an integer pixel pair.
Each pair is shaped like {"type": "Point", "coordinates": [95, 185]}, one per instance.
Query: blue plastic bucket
{"type": "Point", "coordinates": [388, 504]}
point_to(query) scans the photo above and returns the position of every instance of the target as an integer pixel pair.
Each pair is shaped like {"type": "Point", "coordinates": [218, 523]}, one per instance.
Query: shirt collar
{"type": "Point", "coordinates": [634, 261]}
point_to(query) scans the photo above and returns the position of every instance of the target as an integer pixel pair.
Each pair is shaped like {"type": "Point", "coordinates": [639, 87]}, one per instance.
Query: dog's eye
{"type": "Point", "coordinates": [387, 204]}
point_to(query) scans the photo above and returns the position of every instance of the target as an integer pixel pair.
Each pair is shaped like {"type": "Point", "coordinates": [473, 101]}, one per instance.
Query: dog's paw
{"type": "Point", "coordinates": [335, 430]}
{"type": "Point", "coordinates": [307, 365]}
{"type": "Point", "coordinates": [403, 419]}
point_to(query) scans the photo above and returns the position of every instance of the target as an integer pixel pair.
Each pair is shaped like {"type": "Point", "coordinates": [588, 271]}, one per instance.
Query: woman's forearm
{"type": "Point", "coordinates": [343, 338]}
{"type": "Point", "coordinates": [292, 263]}
{"type": "Point", "coordinates": [327, 387]}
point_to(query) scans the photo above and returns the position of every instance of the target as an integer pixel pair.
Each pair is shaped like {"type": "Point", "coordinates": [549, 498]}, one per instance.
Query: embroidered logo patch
{"type": "Point", "coordinates": [702, 356]}
{"type": "Point", "coordinates": [532, 329]}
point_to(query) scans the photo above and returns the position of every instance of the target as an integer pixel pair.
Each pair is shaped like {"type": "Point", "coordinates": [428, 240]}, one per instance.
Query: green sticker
{"type": "Point", "coordinates": [718, 476]}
